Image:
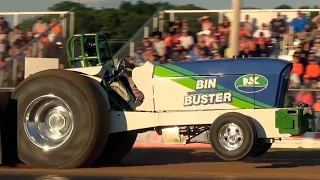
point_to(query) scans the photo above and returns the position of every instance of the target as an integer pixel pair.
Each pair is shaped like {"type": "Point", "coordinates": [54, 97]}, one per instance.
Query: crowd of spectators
{"type": "Point", "coordinates": [178, 43]}
{"type": "Point", "coordinates": [12, 40]}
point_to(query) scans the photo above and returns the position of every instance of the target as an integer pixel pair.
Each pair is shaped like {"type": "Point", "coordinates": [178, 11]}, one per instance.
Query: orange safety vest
{"type": "Point", "coordinates": [313, 70]}
{"type": "Point", "coordinates": [56, 28]}
{"type": "Point", "coordinates": [316, 106]}
{"type": "Point", "coordinates": [305, 97]}
{"type": "Point", "coordinates": [297, 69]}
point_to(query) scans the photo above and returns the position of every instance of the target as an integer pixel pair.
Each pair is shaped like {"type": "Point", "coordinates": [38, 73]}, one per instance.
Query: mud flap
{"type": "Point", "coordinates": [8, 135]}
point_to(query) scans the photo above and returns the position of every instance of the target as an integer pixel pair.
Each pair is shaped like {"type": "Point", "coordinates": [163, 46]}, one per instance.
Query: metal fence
{"type": "Point", "coordinates": [136, 41]}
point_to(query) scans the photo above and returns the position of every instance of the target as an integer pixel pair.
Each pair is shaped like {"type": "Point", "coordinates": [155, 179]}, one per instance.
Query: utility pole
{"type": "Point", "coordinates": [235, 27]}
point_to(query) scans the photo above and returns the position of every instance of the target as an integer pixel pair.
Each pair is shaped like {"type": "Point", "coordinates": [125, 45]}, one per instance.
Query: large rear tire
{"type": "Point", "coordinates": [62, 120]}
{"type": "Point", "coordinates": [118, 146]}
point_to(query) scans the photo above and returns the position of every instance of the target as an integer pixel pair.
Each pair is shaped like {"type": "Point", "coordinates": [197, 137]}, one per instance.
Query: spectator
{"type": "Point", "coordinates": [186, 40]}
{"type": "Point", "coordinates": [194, 53]}
{"type": "Point", "coordinates": [316, 105]}
{"type": "Point", "coordinates": [30, 35]}
{"type": "Point", "coordinates": [205, 23]}
{"type": "Point", "coordinates": [261, 48]}
{"type": "Point", "coordinates": [203, 55]}
{"type": "Point", "coordinates": [56, 29]}
{"type": "Point", "coordinates": [156, 32]}
{"type": "Point", "coordinates": [138, 59]}
{"type": "Point", "coordinates": [223, 46]}
{"type": "Point", "coordinates": [317, 48]}
{"type": "Point", "coordinates": [225, 26]}
{"type": "Point", "coordinates": [175, 26]}
{"type": "Point", "coordinates": [245, 52]}
{"type": "Point", "coordinates": [278, 26]}
{"type": "Point", "coordinates": [39, 27]}
{"type": "Point", "coordinates": [159, 46]}
{"type": "Point", "coordinates": [149, 55]}
{"type": "Point", "coordinates": [307, 34]}
{"type": "Point", "coordinates": [4, 30]}
{"type": "Point", "coordinates": [43, 46]}
{"type": "Point", "coordinates": [14, 35]}
{"type": "Point", "coordinates": [305, 96]}
{"type": "Point", "coordinates": [262, 32]}
{"type": "Point", "coordinates": [146, 43]}
{"type": "Point", "coordinates": [247, 24]}
{"type": "Point", "coordinates": [175, 57]}
{"type": "Point", "coordinates": [299, 23]}
{"type": "Point", "coordinates": [316, 19]}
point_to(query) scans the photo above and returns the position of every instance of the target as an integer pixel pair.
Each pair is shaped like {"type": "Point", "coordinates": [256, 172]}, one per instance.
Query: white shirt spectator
{"type": "Point", "coordinates": [264, 30]}
{"type": "Point", "coordinates": [160, 47]}
{"type": "Point", "coordinates": [186, 41]}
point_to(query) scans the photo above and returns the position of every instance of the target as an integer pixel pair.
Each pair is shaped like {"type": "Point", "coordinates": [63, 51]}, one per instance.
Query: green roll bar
{"type": "Point", "coordinates": [99, 39]}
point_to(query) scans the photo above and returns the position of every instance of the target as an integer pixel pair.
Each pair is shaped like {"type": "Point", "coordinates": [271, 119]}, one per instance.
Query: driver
{"type": "Point", "coordinates": [123, 85]}
{"type": "Point", "coordinates": [89, 51]}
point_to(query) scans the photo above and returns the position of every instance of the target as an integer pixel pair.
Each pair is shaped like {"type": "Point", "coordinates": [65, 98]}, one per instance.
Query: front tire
{"type": "Point", "coordinates": [55, 101]}
{"type": "Point", "coordinates": [260, 149]}
{"type": "Point", "coordinates": [232, 136]}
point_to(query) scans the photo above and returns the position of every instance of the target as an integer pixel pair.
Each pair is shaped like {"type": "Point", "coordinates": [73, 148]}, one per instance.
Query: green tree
{"type": "Point", "coordinates": [283, 6]}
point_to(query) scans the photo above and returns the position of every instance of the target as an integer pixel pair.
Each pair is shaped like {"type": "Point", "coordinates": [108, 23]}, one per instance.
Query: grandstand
{"type": "Point", "coordinates": [196, 35]}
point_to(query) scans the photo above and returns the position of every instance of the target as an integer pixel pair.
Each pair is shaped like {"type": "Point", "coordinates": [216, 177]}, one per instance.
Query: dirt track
{"type": "Point", "coordinates": [198, 164]}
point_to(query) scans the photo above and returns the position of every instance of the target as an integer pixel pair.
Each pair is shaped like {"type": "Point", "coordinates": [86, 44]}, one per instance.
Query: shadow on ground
{"type": "Point", "coordinates": [274, 159]}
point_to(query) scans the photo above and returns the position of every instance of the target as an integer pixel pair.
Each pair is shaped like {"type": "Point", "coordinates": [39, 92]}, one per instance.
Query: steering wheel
{"type": "Point", "coordinates": [121, 65]}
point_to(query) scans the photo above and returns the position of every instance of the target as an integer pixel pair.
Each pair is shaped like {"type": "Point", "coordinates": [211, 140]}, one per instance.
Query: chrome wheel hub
{"type": "Point", "coordinates": [48, 122]}
{"type": "Point", "coordinates": [230, 136]}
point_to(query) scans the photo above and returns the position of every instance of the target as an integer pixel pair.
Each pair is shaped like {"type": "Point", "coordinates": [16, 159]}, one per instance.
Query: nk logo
{"type": "Point", "coordinates": [251, 83]}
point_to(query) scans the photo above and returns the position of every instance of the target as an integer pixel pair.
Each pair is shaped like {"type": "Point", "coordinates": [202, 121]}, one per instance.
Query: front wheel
{"type": "Point", "coordinates": [232, 136]}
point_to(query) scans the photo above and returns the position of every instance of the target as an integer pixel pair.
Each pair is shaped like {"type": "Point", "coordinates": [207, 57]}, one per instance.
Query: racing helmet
{"type": "Point", "coordinates": [90, 47]}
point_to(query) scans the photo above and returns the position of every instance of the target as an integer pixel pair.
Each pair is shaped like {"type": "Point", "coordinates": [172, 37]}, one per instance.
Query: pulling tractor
{"type": "Point", "coordinates": [88, 114]}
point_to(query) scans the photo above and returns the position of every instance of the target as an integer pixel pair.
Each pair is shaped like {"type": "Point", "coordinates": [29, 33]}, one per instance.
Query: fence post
{"type": "Point", "coordinates": [146, 32]}
{"type": "Point", "coordinates": [155, 23]}
{"type": "Point", "coordinates": [71, 25]}
{"type": "Point", "coordinates": [161, 21]}
{"type": "Point", "coordinates": [64, 30]}
{"type": "Point", "coordinates": [171, 16]}
{"type": "Point", "coordinates": [221, 15]}
{"type": "Point", "coordinates": [131, 50]}
{"type": "Point", "coordinates": [15, 20]}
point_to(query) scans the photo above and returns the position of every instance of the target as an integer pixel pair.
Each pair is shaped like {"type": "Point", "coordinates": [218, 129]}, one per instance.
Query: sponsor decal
{"type": "Point", "coordinates": [251, 83]}
{"type": "Point", "coordinates": [206, 92]}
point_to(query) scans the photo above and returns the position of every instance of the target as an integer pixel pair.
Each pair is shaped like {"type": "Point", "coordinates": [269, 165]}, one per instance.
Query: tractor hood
{"type": "Point", "coordinates": [233, 66]}
{"type": "Point", "coordinates": [258, 82]}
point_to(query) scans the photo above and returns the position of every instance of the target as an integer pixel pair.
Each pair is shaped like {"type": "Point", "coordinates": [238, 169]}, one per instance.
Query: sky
{"type": "Point", "coordinates": [42, 5]}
